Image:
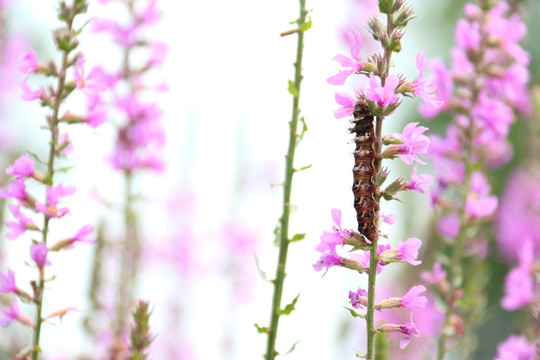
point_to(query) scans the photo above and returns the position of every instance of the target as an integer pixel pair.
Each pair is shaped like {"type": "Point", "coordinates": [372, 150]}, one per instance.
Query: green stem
{"type": "Point", "coordinates": [372, 274]}
{"type": "Point", "coordinates": [289, 171]}
{"type": "Point", "coordinates": [53, 127]}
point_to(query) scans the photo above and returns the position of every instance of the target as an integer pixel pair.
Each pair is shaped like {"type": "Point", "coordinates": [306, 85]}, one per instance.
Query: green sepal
{"type": "Point", "coordinates": [289, 307]}
{"type": "Point", "coordinates": [354, 313]}
{"type": "Point", "coordinates": [261, 329]}
{"type": "Point", "coordinates": [305, 26]}
{"type": "Point", "coordinates": [297, 237]}
{"type": "Point", "coordinates": [292, 90]}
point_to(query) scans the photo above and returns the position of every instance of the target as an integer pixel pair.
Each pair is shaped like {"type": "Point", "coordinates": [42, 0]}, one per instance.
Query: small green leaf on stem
{"type": "Point", "coordinates": [292, 348]}
{"type": "Point", "coordinates": [261, 272]}
{"type": "Point", "coordinates": [303, 168]}
{"type": "Point", "coordinates": [292, 90]}
{"type": "Point", "coordinates": [359, 355]}
{"type": "Point", "coordinates": [298, 237]}
{"type": "Point", "coordinates": [261, 329]}
{"type": "Point", "coordinates": [36, 157]}
{"type": "Point", "coordinates": [277, 234]}
{"type": "Point", "coordinates": [306, 26]}
{"type": "Point", "coordinates": [47, 180]}
{"type": "Point", "coordinates": [289, 307]}
{"type": "Point", "coordinates": [354, 313]}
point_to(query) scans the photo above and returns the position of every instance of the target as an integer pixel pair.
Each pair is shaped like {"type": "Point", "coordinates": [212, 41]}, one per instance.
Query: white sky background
{"type": "Point", "coordinates": [227, 109]}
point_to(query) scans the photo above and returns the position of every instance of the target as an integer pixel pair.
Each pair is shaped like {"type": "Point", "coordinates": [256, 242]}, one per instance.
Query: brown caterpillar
{"type": "Point", "coordinates": [367, 208]}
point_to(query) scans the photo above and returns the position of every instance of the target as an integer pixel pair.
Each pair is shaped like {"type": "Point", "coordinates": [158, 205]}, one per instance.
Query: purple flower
{"type": "Point", "coordinates": [414, 142]}
{"type": "Point", "coordinates": [347, 105]}
{"type": "Point", "coordinates": [408, 250]}
{"type": "Point", "coordinates": [7, 282]}
{"type": "Point", "coordinates": [23, 167]}
{"type": "Point", "coordinates": [358, 299]}
{"type": "Point", "coordinates": [427, 93]}
{"type": "Point", "coordinates": [329, 241]}
{"type": "Point", "coordinates": [479, 203]}
{"type": "Point", "coordinates": [412, 300]}
{"type": "Point", "coordinates": [53, 195]}
{"type": "Point", "coordinates": [23, 223]}
{"type": "Point", "coordinates": [516, 348]}
{"type": "Point", "coordinates": [354, 62]}
{"type": "Point", "coordinates": [13, 313]}
{"type": "Point", "coordinates": [383, 95]}
{"type": "Point", "coordinates": [436, 275]}
{"type": "Point", "coordinates": [38, 253]}
{"type": "Point", "coordinates": [84, 235]}
{"type": "Point", "coordinates": [419, 183]}
{"type": "Point", "coordinates": [408, 329]}
{"type": "Point", "coordinates": [327, 261]}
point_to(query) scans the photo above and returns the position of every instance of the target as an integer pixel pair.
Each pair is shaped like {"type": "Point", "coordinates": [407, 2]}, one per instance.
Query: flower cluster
{"type": "Point", "coordinates": [25, 207]}
{"type": "Point", "coordinates": [485, 84]}
{"type": "Point", "coordinates": [140, 137]}
{"type": "Point", "coordinates": [379, 99]}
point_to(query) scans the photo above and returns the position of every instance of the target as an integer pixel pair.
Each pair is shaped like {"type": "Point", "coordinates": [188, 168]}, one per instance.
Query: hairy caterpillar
{"type": "Point", "coordinates": [367, 208]}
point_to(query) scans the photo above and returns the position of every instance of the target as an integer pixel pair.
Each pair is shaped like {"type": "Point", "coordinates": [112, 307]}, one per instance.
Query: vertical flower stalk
{"type": "Point", "coordinates": [295, 134]}
{"type": "Point", "coordinates": [373, 104]}
{"type": "Point", "coordinates": [140, 137]}
{"type": "Point", "coordinates": [69, 80]}
{"type": "Point", "coordinates": [486, 84]}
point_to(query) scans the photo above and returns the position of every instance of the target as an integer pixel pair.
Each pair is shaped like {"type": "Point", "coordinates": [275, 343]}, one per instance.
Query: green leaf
{"type": "Point", "coordinates": [64, 169]}
{"type": "Point", "coordinates": [292, 90]}
{"type": "Point", "coordinates": [305, 26]}
{"type": "Point", "coordinates": [359, 355]}
{"type": "Point", "coordinates": [293, 208]}
{"type": "Point", "coordinates": [292, 348]}
{"type": "Point", "coordinates": [289, 307]}
{"type": "Point", "coordinates": [261, 272]}
{"type": "Point", "coordinates": [36, 157]}
{"type": "Point", "coordinates": [261, 329]}
{"type": "Point", "coordinates": [354, 313]}
{"type": "Point", "coordinates": [277, 234]}
{"type": "Point", "coordinates": [47, 180]}
{"type": "Point", "coordinates": [298, 237]}
{"type": "Point", "coordinates": [304, 168]}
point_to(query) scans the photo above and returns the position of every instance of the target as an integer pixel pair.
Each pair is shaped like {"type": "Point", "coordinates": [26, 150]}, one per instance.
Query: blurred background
{"type": "Point", "coordinates": [206, 219]}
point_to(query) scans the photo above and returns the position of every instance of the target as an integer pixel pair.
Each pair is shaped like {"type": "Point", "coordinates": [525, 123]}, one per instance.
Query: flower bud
{"type": "Point", "coordinates": [396, 186]}
{"type": "Point", "coordinates": [389, 303]}
{"type": "Point", "coordinates": [388, 256]}
{"type": "Point", "coordinates": [392, 139]}
{"type": "Point", "coordinates": [353, 265]}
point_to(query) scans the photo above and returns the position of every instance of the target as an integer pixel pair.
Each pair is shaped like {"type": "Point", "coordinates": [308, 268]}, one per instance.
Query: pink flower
{"type": "Point", "coordinates": [327, 261]}
{"type": "Point", "coordinates": [493, 117]}
{"type": "Point", "coordinates": [15, 190]}
{"type": "Point", "coordinates": [53, 195]}
{"type": "Point", "coordinates": [38, 253]}
{"type": "Point", "coordinates": [479, 203]}
{"type": "Point", "coordinates": [427, 93]}
{"type": "Point", "coordinates": [408, 329]}
{"type": "Point", "coordinates": [23, 167]}
{"type": "Point", "coordinates": [7, 282]}
{"type": "Point", "coordinates": [408, 250]}
{"type": "Point", "coordinates": [159, 53]}
{"type": "Point", "coordinates": [28, 63]}
{"type": "Point", "coordinates": [13, 313]}
{"type": "Point", "coordinates": [390, 219]}
{"type": "Point", "coordinates": [347, 105]}
{"type": "Point", "coordinates": [444, 83]}
{"type": "Point", "coordinates": [84, 235]}
{"type": "Point", "coordinates": [384, 252]}
{"type": "Point", "coordinates": [358, 299]}
{"type": "Point", "coordinates": [354, 62]}
{"type": "Point", "coordinates": [468, 35]}
{"type": "Point", "coordinates": [419, 183]}
{"type": "Point", "coordinates": [516, 348]}
{"type": "Point", "coordinates": [329, 241]}
{"type": "Point", "coordinates": [448, 225]}
{"type": "Point", "coordinates": [23, 223]}
{"type": "Point", "coordinates": [518, 285]}
{"type": "Point", "coordinates": [414, 142]}
{"type": "Point", "coordinates": [383, 95]}
{"type": "Point", "coordinates": [412, 300]}
{"type": "Point", "coordinates": [436, 275]}
{"type": "Point", "coordinates": [96, 116]}
{"type": "Point", "coordinates": [27, 94]}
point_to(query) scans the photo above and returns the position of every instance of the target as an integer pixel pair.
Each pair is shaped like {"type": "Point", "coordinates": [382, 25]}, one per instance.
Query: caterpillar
{"type": "Point", "coordinates": [365, 204]}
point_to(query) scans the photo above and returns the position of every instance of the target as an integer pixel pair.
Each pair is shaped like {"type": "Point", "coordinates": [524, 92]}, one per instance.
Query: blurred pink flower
{"type": "Point", "coordinates": [427, 93]}
{"type": "Point", "coordinates": [354, 63]}
{"type": "Point", "coordinates": [38, 253]}
{"type": "Point", "coordinates": [7, 282]}
{"type": "Point", "coordinates": [23, 167]}
{"type": "Point", "coordinates": [13, 313]}
{"type": "Point", "coordinates": [54, 193]}
{"type": "Point", "coordinates": [22, 223]}
{"type": "Point", "coordinates": [347, 105]}
{"type": "Point", "coordinates": [516, 348]}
